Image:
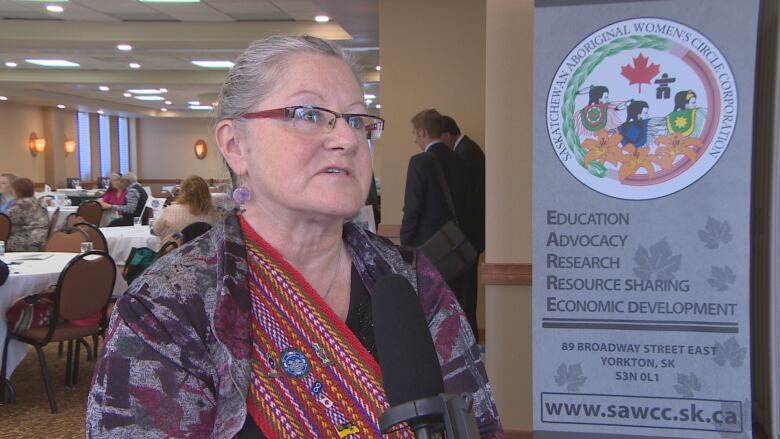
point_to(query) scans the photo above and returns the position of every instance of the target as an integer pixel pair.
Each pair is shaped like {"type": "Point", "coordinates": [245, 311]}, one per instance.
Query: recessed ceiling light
{"type": "Point", "coordinates": [100, 112]}
{"type": "Point", "coordinates": [322, 19]}
{"type": "Point", "coordinates": [52, 62]}
{"type": "Point", "coordinates": [60, 106]}
{"type": "Point", "coordinates": [3, 98]}
{"type": "Point", "coordinates": [193, 103]}
{"type": "Point", "coordinates": [369, 96]}
{"type": "Point", "coordinates": [377, 106]}
{"type": "Point", "coordinates": [146, 91]}
{"type": "Point", "coordinates": [134, 65]}
{"type": "Point", "coordinates": [369, 101]}
{"type": "Point", "coordinates": [200, 107]}
{"type": "Point", "coordinates": [149, 98]}
{"type": "Point", "coordinates": [168, 103]}
{"type": "Point", "coordinates": [163, 109]}
{"type": "Point", "coordinates": [124, 47]}
{"type": "Point", "coordinates": [213, 64]}
{"type": "Point", "coordinates": [104, 88]}
{"type": "Point", "coordinates": [54, 8]}
{"type": "Point", "coordinates": [163, 90]}
{"type": "Point", "coordinates": [10, 64]}
{"type": "Point", "coordinates": [127, 95]}
{"type": "Point", "coordinates": [169, 1]}
{"type": "Point", "coordinates": [378, 68]}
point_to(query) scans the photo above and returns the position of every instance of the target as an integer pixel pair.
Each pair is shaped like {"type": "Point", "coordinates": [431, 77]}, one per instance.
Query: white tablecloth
{"type": "Point", "coordinates": [122, 239]}
{"type": "Point", "coordinates": [30, 277]}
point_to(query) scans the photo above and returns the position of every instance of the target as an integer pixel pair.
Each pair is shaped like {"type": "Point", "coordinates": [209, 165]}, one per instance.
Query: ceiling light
{"type": "Point", "coordinates": [127, 95]}
{"type": "Point", "coordinates": [378, 68]}
{"type": "Point", "coordinates": [3, 98]}
{"type": "Point", "coordinates": [104, 88]}
{"type": "Point", "coordinates": [124, 47]}
{"type": "Point", "coordinates": [322, 19]}
{"type": "Point", "coordinates": [377, 106]}
{"type": "Point", "coordinates": [168, 103]}
{"type": "Point", "coordinates": [146, 91]}
{"type": "Point", "coordinates": [369, 96]}
{"type": "Point", "coordinates": [149, 98]}
{"type": "Point", "coordinates": [169, 1]}
{"type": "Point", "coordinates": [60, 106]}
{"type": "Point", "coordinates": [134, 65]}
{"type": "Point", "coordinates": [100, 112]}
{"type": "Point", "coordinates": [54, 8]}
{"type": "Point", "coordinates": [200, 107]}
{"type": "Point", "coordinates": [369, 101]}
{"type": "Point", "coordinates": [52, 62]}
{"type": "Point", "coordinates": [163, 90]}
{"type": "Point", "coordinates": [213, 64]}
{"type": "Point", "coordinates": [193, 102]}
{"type": "Point", "coordinates": [10, 64]}
{"type": "Point", "coordinates": [163, 109]}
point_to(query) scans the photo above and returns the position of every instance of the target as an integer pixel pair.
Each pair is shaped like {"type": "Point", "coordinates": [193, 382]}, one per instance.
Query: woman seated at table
{"type": "Point", "coordinates": [271, 309]}
{"type": "Point", "coordinates": [29, 221]}
{"type": "Point", "coordinates": [193, 205]}
{"type": "Point", "coordinates": [6, 192]}
{"type": "Point", "coordinates": [135, 200]}
{"type": "Point", "coordinates": [116, 193]}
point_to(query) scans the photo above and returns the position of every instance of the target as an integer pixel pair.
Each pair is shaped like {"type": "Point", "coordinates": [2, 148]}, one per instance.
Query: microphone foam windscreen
{"type": "Point", "coordinates": [407, 357]}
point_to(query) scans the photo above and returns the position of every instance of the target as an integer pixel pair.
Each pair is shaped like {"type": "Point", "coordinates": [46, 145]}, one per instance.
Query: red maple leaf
{"type": "Point", "coordinates": [640, 73]}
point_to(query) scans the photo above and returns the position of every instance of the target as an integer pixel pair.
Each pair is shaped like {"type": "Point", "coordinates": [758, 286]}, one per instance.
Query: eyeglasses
{"type": "Point", "coordinates": [321, 120]}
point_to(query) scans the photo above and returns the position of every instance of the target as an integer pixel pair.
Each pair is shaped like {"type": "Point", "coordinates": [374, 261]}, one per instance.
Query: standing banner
{"type": "Point", "coordinates": [642, 173]}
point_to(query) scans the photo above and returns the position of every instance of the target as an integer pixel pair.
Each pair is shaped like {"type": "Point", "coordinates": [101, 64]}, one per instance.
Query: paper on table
{"type": "Point", "coordinates": [32, 257]}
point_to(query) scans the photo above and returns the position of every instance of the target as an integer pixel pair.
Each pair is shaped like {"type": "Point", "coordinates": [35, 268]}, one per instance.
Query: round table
{"type": "Point", "coordinates": [122, 239]}
{"type": "Point", "coordinates": [31, 273]}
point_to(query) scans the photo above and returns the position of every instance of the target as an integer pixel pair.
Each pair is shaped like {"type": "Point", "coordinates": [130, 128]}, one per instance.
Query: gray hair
{"type": "Point", "coordinates": [130, 177]}
{"type": "Point", "coordinates": [258, 70]}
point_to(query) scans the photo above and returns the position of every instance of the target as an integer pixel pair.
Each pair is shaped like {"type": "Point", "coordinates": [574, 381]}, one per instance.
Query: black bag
{"type": "Point", "coordinates": [449, 249]}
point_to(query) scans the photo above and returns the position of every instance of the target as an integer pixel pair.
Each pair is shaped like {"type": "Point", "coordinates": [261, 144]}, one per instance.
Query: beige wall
{"type": "Point", "coordinates": [16, 124]}
{"type": "Point", "coordinates": [432, 55]}
{"type": "Point", "coordinates": [508, 136]}
{"type": "Point", "coordinates": [166, 149]}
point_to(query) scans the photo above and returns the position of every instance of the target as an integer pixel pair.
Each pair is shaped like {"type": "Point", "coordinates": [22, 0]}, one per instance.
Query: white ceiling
{"type": "Point", "coordinates": [165, 39]}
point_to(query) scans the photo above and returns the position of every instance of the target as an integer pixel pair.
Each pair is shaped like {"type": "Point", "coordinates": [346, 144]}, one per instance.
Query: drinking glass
{"type": "Point", "coordinates": [137, 221]}
{"type": "Point", "coordinates": [86, 247]}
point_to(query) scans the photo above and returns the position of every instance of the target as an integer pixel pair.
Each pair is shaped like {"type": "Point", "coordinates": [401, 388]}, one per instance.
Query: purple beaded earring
{"type": "Point", "coordinates": [241, 195]}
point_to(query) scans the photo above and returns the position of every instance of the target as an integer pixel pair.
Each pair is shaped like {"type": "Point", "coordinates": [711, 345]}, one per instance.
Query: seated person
{"type": "Point", "coordinates": [117, 192]}
{"type": "Point", "coordinates": [6, 192]}
{"type": "Point", "coordinates": [29, 221]}
{"type": "Point", "coordinates": [135, 200]}
{"type": "Point", "coordinates": [192, 206]}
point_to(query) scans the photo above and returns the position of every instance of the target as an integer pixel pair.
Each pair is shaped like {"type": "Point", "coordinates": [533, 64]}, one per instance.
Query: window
{"type": "Point", "coordinates": [124, 150]}
{"type": "Point", "coordinates": [105, 145]}
{"type": "Point", "coordinates": [85, 151]}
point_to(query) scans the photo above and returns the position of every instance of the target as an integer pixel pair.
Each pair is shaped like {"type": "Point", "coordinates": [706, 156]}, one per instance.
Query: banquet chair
{"type": "Point", "coordinates": [5, 227]}
{"type": "Point", "coordinates": [91, 211]}
{"type": "Point", "coordinates": [194, 230]}
{"type": "Point", "coordinates": [168, 247]}
{"type": "Point", "coordinates": [95, 236]}
{"type": "Point", "coordinates": [83, 290]}
{"type": "Point", "coordinates": [67, 240]}
{"type": "Point", "coordinates": [53, 221]}
{"type": "Point", "coordinates": [74, 219]}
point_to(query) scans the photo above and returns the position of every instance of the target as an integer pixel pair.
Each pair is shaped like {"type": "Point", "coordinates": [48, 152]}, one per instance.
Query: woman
{"type": "Point", "coordinates": [634, 129]}
{"type": "Point", "coordinates": [6, 192]}
{"type": "Point", "coordinates": [207, 341]}
{"type": "Point", "coordinates": [193, 205]}
{"type": "Point", "coordinates": [29, 221]}
{"type": "Point", "coordinates": [115, 195]}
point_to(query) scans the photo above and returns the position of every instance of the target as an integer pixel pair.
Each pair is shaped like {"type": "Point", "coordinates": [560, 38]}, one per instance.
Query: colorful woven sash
{"type": "Point", "coordinates": [311, 377]}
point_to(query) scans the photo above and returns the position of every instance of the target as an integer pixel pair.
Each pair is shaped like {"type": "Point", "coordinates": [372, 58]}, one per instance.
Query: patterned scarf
{"type": "Point", "coordinates": [311, 377]}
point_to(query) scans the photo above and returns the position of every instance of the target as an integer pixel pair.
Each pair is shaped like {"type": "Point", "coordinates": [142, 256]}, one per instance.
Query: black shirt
{"type": "Point", "coordinates": [359, 321]}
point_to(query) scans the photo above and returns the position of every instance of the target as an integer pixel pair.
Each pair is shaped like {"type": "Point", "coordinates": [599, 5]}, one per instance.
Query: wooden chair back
{"type": "Point", "coordinates": [95, 235]}
{"type": "Point", "coordinates": [5, 227]}
{"type": "Point", "coordinates": [91, 211]}
{"type": "Point", "coordinates": [67, 240]}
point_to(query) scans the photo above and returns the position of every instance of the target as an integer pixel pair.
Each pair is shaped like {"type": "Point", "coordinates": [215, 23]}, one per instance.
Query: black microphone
{"type": "Point", "coordinates": [410, 367]}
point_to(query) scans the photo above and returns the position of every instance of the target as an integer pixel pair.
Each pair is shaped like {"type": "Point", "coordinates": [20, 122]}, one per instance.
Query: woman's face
{"type": "Point", "coordinates": [644, 114]}
{"type": "Point", "coordinates": [286, 168]}
{"type": "Point", "coordinates": [5, 188]}
{"type": "Point", "coordinates": [116, 184]}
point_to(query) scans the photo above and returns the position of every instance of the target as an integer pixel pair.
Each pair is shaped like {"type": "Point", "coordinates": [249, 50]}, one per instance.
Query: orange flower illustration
{"type": "Point", "coordinates": [674, 145]}
{"type": "Point", "coordinates": [635, 159]}
{"type": "Point", "coordinates": [603, 149]}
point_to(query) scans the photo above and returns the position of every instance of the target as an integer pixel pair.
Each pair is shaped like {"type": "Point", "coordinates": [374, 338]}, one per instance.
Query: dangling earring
{"type": "Point", "coordinates": [241, 195]}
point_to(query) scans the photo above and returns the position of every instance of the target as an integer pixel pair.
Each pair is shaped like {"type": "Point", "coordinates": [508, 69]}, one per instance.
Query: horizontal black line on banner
{"type": "Point", "coordinates": [628, 327]}
{"type": "Point", "coordinates": [684, 322]}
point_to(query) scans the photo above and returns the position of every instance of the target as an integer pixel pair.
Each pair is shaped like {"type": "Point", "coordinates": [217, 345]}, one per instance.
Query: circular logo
{"type": "Point", "coordinates": [155, 203]}
{"type": "Point", "coordinates": [294, 363]}
{"type": "Point", "coordinates": [642, 108]}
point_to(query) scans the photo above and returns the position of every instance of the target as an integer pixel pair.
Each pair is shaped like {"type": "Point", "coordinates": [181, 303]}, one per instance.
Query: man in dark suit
{"type": "Point", "coordinates": [425, 204]}
{"type": "Point", "coordinates": [474, 222]}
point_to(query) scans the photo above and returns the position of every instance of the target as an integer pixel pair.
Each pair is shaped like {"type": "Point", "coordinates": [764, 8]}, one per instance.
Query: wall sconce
{"type": "Point", "coordinates": [201, 149]}
{"type": "Point", "coordinates": [70, 146]}
{"type": "Point", "coordinates": [37, 144]}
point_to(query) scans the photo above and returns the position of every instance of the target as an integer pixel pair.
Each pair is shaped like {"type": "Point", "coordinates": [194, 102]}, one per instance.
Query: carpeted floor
{"type": "Point", "coordinates": [30, 417]}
